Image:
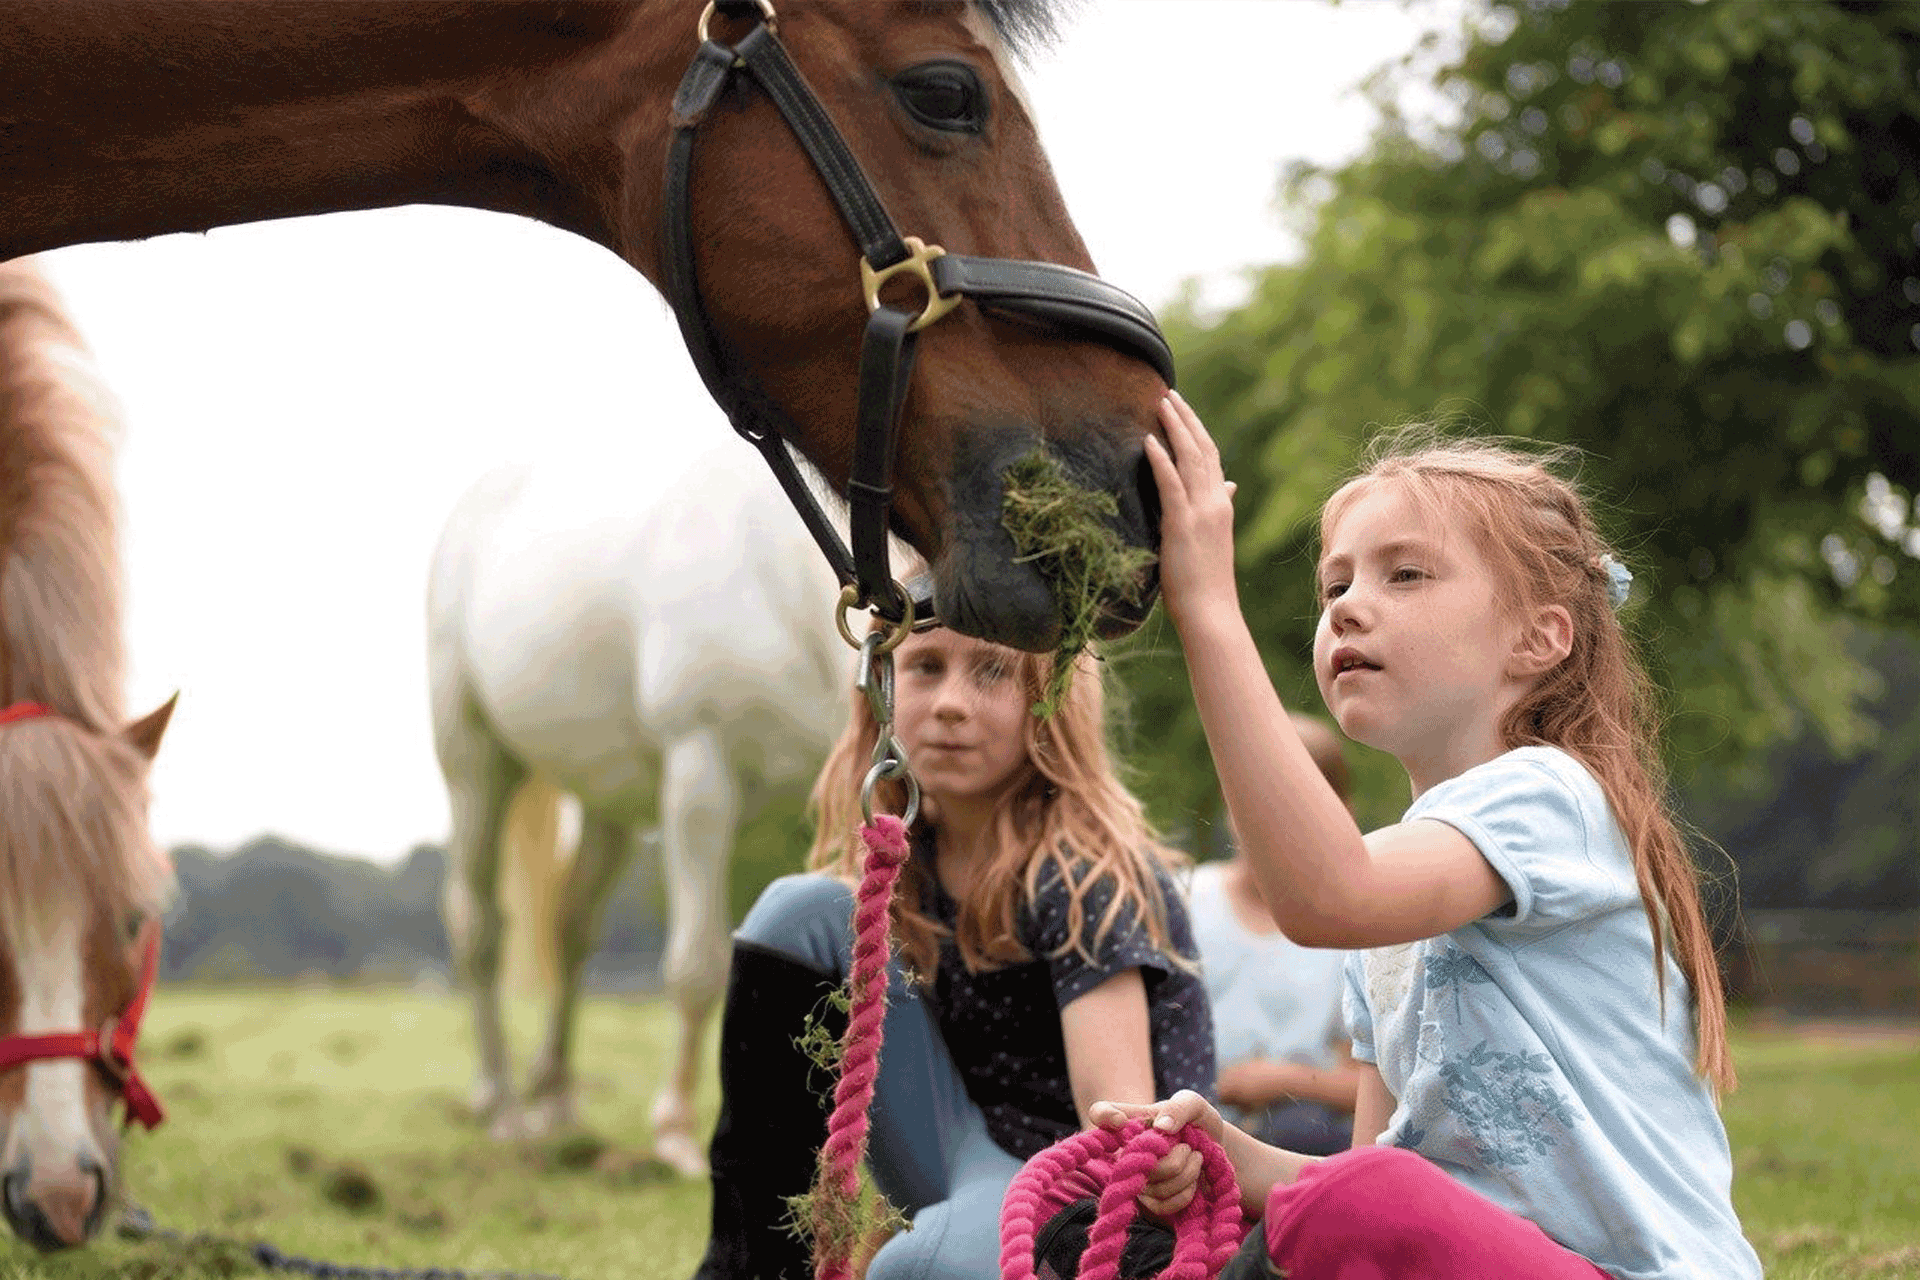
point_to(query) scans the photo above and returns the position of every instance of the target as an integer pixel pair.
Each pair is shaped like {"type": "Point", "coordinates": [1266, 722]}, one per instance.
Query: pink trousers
{"type": "Point", "coordinates": [1384, 1213]}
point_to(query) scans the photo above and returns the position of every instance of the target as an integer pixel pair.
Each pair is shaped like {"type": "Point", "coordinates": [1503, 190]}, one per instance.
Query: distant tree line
{"type": "Point", "coordinates": [274, 909]}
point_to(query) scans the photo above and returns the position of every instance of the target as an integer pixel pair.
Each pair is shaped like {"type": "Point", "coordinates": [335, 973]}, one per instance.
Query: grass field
{"type": "Point", "coordinates": [328, 1122]}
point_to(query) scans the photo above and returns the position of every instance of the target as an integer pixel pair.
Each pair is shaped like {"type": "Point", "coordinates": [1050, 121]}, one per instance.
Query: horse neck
{"type": "Point", "coordinates": [220, 113]}
{"type": "Point", "coordinates": [60, 637]}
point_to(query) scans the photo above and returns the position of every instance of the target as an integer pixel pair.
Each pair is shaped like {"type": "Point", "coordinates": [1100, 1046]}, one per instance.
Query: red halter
{"type": "Point", "coordinates": [111, 1047]}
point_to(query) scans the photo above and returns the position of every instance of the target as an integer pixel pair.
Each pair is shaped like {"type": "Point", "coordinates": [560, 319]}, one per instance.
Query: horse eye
{"type": "Point", "coordinates": [133, 923]}
{"type": "Point", "coordinates": [943, 95]}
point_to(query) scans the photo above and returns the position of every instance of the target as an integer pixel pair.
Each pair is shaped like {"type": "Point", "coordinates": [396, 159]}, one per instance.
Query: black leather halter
{"type": "Point", "coordinates": [1056, 296]}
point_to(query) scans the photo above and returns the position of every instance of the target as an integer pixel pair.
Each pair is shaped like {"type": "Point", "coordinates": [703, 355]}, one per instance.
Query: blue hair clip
{"type": "Point", "coordinates": [1619, 580]}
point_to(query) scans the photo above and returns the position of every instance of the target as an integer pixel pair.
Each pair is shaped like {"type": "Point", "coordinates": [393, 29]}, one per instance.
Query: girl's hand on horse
{"type": "Point", "coordinates": [1171, 1185]}
{"type": "Point", "coordinates": [1196, 516]}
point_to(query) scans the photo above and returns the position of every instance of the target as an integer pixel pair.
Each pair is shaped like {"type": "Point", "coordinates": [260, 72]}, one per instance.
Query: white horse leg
{"type": "Point", "coordinates": [481, 782]}
{"type": "Point", "coordinates": [605, 849]}
{"type": "Point", "coordinates": [699, 812]}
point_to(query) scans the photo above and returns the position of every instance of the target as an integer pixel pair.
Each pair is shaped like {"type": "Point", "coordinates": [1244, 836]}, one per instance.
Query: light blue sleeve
{"type": "Point", "coordinates": [1542, 822]}
{"type": "Point", "coordinates": [1353, 1008]}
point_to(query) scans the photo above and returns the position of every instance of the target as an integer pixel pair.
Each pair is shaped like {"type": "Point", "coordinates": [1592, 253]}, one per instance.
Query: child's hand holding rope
{"type": "Point", "coordinates": [1171, 1185]}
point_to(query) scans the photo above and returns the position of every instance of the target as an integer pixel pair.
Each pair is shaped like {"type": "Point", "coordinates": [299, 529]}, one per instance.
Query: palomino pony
{"type": "Point", "coordinates": [763, 167]}
{"type": "Point", "coordinates": [658, 642]}
{"type": "Point", "coordinates": [81, 883]}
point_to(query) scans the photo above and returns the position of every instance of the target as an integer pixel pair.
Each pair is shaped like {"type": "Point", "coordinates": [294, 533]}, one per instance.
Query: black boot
{"type": "Point", "coordinates": [1148, 1250]}
{"type": "Point", "coordinates": [1061, 1240]}
{"type": "Point", "coordinates": [774, 1103]}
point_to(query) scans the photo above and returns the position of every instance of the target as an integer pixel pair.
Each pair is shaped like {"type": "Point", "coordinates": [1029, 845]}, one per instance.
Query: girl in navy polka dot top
{"type": "Point", "coordinates": [1044, 958]}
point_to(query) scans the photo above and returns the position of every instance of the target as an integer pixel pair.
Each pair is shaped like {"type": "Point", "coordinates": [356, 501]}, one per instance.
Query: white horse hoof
{"type": "Point", "coordinates": [545, 1117]}
{"type": "Point", "coordinates": [681, 1154]}
{"type": "Point", "coordinates": [510, 1125]}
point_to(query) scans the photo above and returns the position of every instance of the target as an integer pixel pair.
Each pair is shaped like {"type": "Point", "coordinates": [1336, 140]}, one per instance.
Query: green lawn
{"type": "Point", "coordinates": [328, 1122]}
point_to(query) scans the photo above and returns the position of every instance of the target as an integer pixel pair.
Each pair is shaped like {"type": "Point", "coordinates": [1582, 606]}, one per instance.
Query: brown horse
{"type": "Point", "coordinates": [81, 883]}
{"type": "Point", "coordinates": [129, 118]}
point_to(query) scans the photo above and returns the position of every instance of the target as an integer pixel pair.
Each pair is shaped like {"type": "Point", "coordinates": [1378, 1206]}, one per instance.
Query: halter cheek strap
{"type": "Point", "coordinates": [109, 1048]}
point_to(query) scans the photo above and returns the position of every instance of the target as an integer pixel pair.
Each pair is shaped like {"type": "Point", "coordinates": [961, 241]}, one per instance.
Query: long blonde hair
{"type": "Point", "coordinates": [1069, 811]}
{"type": "Point", "coordinates": [1598, 704]}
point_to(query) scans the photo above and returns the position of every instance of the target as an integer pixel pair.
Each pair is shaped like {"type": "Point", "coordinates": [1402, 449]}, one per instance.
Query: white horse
{"type": "Point", "coordinates": [653, 637]}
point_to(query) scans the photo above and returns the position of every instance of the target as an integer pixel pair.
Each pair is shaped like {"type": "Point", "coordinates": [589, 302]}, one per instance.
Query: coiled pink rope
{"type": "Point", "coordinates": [1206, 1232]}
{"type": "Point", "coordinates": [885, 838]}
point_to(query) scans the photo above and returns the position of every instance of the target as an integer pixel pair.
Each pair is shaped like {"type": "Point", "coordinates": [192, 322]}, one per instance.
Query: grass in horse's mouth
{"type": "Point", "coordinates": [1066, 533]}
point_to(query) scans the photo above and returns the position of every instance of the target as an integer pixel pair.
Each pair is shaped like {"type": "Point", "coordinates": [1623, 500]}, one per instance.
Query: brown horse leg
{"type": "Point", "coordinates": [699, 815]}
{"type": "Point", "coordinates": [605, 849]}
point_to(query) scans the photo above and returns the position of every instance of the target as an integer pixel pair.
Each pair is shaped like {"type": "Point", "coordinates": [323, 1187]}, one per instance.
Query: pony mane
{"type": "Point", "coordinates": [60, 639]}
{"type": "Point", "coordinates": [72, 789]}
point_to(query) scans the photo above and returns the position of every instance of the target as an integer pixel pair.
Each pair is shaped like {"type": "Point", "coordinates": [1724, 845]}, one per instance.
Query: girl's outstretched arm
{"type": "Point", "coordinates": [1325, 884]}
{"type": "Point", "coordinates": [1109, 1043]}
{"type": "Point", "coordinates": [1257, 1167]}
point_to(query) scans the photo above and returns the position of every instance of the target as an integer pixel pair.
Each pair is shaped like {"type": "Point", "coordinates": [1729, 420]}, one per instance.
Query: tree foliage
{"type": "Point", "coordinates": [1684, 238]}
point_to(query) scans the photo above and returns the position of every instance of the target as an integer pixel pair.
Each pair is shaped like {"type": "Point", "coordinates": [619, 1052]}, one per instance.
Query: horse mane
{"type": "Point", "coordinates": [72, 789]}
{"type": "Point", "coordinates": [59, 554]}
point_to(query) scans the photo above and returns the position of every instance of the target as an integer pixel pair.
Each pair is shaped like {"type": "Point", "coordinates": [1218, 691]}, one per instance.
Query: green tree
{"type": "Point", "coordinates": [1682, 237]}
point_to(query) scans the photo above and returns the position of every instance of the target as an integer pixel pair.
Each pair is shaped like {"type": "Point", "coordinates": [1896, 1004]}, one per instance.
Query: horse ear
{"type": "Point", "coordinates": [144, 734]}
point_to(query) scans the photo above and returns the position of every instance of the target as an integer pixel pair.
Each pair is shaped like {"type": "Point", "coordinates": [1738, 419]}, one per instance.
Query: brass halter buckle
{"type": "Point", "coordinates": [915, 262]}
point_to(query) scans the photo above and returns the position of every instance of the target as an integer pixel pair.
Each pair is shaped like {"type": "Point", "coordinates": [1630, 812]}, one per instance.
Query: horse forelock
{"type": "Point", "coordinates": [1025, 26]}
{"type": "Point", "coordinates": [60, 638]}
{"type": "Point", "coordinates": [73, 829]}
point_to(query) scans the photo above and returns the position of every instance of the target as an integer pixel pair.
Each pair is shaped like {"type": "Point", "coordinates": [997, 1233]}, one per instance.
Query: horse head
{"type": "Point", "coordinates": [927, 101]}
{"type": "Point", "coordinates": [79, 916]}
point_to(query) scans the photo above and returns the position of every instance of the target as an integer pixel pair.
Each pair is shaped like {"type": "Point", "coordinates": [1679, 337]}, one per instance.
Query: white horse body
{"type": "Point", "coordinates": [654, 639]}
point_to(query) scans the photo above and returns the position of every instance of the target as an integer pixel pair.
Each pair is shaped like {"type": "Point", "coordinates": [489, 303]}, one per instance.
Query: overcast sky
{"type": "Point", "coordinates": [305, 400]}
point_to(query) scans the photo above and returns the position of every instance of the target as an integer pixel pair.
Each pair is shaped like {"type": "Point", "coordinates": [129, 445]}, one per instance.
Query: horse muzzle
{"type": "Point", "coordinates": [987, 584]}
{"type": "Point", "coordinates": [55, 1210]}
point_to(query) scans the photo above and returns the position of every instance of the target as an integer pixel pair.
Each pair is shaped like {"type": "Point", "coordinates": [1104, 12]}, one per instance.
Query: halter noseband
{"type": "Point", "coordinates": [111, 1047]}
{"type": "Point", "coordinates": [1056, 296]}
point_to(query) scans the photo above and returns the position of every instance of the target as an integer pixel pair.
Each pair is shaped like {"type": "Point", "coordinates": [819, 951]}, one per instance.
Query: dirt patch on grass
{"type": "Point", "coordinates": [1899, 1262]}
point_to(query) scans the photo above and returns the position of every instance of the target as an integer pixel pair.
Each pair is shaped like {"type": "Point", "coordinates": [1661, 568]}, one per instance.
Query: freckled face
{"type": "Point", "coordinates": [1412, 646]}
{"type": "Point", "coordinates": [961, 710]}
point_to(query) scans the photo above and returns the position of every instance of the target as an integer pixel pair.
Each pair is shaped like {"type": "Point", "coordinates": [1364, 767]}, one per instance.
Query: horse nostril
{"type": "Point", "coordinates": [94, 1169]}
{"type": "Point", "coordinates": [28, 1222]}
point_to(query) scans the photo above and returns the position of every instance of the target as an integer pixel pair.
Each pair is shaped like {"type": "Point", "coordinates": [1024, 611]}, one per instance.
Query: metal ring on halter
{"type": "Point", "coordinates": [892, 768]}
{"type": "Point", "coordinates": [850, 599]}
{"type": "Point", "coordinates": [706, 16]}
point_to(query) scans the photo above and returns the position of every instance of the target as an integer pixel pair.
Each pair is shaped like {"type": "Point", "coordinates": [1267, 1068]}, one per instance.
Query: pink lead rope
{"type": "Point", "coordinates": [1206, 1232]}
{"type": "Point", "coordinates": [885, 837]}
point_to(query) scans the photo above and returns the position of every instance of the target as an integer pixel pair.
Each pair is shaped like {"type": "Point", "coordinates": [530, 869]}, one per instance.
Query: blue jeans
{"type": "Point", "coordinates": [928, 1146]}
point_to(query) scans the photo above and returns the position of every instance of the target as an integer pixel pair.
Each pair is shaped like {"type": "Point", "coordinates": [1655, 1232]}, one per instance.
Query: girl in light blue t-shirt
{"type": "Point", "coordinates": [1534, 1001]}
